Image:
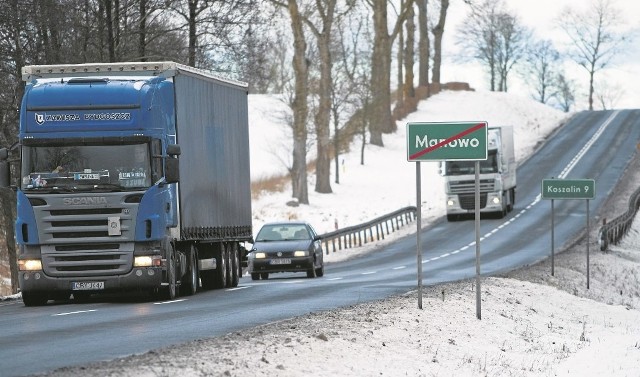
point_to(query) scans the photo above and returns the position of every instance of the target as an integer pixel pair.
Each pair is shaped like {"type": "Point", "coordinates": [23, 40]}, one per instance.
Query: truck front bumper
{"type": "Point", "coordinates": [143, 278]}
{"type": "Point", "coordinates": [465, 203]}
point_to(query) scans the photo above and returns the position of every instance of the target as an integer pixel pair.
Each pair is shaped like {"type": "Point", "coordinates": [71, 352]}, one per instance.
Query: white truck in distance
{"type": "Point", "coordinates": [497, 178]}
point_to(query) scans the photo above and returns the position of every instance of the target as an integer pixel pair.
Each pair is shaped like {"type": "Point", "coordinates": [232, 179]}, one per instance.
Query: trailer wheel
{"type": "Point", "coordinates": [264, 275]}
{"type": "Point", "coordinates": [189, 285]}
{"type": "Point", "coordinates": [235, 265]}
{"type": "Point", "coordinates": [34, 298]}
{"type": "Point", "coordinates": [221, 267]}
{"type": "Point", "coordinates": [229, 280]}
{"type": "Point", "coordinates": [255, 276]}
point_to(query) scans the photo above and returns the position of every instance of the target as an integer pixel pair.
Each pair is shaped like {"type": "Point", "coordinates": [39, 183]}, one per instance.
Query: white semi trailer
{"type": "Point", "coordinates": [497, 178]}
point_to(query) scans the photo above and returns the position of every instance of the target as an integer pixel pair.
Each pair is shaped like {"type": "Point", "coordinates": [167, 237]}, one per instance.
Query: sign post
{"type": "Point", "coordinates": [441, 141]}
{"type": "Point", "coordinates": [568, 189]}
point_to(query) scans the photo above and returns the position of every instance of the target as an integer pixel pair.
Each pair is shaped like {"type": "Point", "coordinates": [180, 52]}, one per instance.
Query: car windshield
{"type": "Point", "coordinates": [285, 232]}
{"type": "Point", "coordinates": [86, 167]}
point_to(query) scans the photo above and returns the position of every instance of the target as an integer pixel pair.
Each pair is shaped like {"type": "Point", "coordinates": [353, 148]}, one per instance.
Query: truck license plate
{"type": "Point", "coordinates": [281, 261]}
{"type": "Point", "coordinates": [87, 285]}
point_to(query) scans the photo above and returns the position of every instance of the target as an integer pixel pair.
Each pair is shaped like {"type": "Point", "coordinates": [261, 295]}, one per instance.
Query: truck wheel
{"type": "Point", "coordinates": [255, 276]}
{"type": "Point", "coordinates": [235, 265]}
{"type": "Point", "coordinates": [452, 218]}
{"type": "Point", "coordinates": [170, 291]}
{"type": "Point", "coordinates": [221, 267]}
{"type": "Point", "coordinates": [229, 281]}
{"type": "Point", "coordinates": [189, 285]}
{"type": "Point", "coordinates": [34, 298]}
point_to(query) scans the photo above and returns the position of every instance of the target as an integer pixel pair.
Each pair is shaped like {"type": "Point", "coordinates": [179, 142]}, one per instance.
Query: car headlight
{"type": "Point", "coordinates": [147, 261]}
{"type": "Point", "coordinates": [30, 265]}
{"type": "Point", "coordinates": [258, 255]}
{"type": "Point", "coordinates": [300, 253]}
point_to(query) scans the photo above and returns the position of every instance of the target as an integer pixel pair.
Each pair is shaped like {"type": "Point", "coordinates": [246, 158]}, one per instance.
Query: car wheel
{"type": "Point", "coordinates": [311, 273]}
{"type": "Point", "coordinates": [320, 271]}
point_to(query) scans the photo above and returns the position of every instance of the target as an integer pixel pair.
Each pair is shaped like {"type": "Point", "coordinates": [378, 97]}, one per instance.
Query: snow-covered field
{"type": "Point", "coordinates": [532, 324]}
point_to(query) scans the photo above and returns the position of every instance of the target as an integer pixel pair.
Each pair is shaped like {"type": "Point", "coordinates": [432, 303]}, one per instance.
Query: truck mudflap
{"type": "Point", "coordinates": [145, 278]}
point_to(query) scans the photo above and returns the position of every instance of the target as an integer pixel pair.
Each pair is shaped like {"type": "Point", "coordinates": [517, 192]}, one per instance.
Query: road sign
{"type": "Point", "coordinates": [568, 189]}
{"type": "Point", "coordinates": [446, 141]}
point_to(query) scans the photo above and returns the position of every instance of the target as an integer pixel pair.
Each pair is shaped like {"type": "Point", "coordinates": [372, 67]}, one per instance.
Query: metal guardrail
{"type": "Point", "coordinates": [374, 230]}
{"type": "Point", "coordinates": [612, 232]}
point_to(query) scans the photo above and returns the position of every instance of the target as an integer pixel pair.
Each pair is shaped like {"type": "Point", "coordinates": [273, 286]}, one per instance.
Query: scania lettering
{"type": "Point", "coordinates": [497, 178]}
{"type": "Point", "coordinates": [130, 177]}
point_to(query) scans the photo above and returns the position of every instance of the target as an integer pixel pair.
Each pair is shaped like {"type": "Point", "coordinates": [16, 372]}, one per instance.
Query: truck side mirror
{"type": "Point", "coordinates": [173, 150]}
{"type": "Point", "coordinates": [4, 168]}
{"type": "Point", "coordinates": [171, 170]}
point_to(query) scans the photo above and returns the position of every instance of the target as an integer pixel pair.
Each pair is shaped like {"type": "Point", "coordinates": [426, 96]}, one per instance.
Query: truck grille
{"type": "Point", "coordinates": [468, 201]}
{"type": "Point", "coordinates": [87, 263]}
{"type": "Point", "coordinates": [75, 240]}
{"type": "Point", "coordinates": [469, 186]}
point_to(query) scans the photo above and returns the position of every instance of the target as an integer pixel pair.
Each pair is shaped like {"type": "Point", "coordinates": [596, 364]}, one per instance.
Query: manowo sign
{"type": "Point", "coordinates": [446, 141]}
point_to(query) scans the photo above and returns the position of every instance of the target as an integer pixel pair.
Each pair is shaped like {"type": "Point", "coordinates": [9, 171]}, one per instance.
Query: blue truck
{"type": "Point", "coordinates": [132, 177]}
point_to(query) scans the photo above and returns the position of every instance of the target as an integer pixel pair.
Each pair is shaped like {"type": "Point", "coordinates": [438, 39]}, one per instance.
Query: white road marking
{"type": "Point", "coordinates": [169, 302]}
{"type": "Point", "coordinates": [78, 312]}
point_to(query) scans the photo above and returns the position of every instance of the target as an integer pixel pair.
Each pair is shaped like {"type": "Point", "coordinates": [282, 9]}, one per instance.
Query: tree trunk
{"type": "Point", "coordinates": [8, 204]}
{"type": "Point", "coordinates": [193, 36]}
{"type": "Point", "coordinates": [111, 43]}
{"type": "Point", "coordinates": [423, 44]}
{"type": "Point", "coordinates": [409, 88]}
{"type": "Point", "coordinates": [142, 32]}
{"type": "Point", "coordinates": [322, 117]}
{"type": "Point", "coordinates": [300, 106]}
{"type": "Point", "coordinates": [438, 32]}
{"type": "Point", "coordinates": [380, 119]}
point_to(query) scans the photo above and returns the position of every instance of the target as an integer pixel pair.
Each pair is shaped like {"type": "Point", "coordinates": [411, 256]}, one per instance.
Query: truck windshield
{"type": "Point", "coordinates": [86, 167]}
{"type": "Point", "coordinates": [490, 165]}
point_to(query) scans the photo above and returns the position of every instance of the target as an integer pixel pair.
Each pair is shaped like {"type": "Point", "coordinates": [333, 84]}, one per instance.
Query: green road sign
{"type": "Point", "coordinates": [568, 189]}
{"type": "Point", "coordinates": [446, 141]}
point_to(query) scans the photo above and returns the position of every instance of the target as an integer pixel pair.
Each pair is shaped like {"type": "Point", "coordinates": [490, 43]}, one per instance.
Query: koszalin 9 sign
{"type": "Point", "coordinates": [446, 141]}
{"type": "Point", "coordinates": [568, 189]}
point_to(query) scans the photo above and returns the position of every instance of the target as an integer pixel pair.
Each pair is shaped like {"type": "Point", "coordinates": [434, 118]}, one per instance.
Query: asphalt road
{"type": "Point", "coordinates": [593, 145]}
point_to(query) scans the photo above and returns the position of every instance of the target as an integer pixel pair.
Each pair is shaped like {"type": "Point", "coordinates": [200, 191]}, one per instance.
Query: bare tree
{"type": "Point", "coordinates": [423, 43]}
{"type": "Point", "coordinates": [595, 39]}
{"type": "Point", "coordinates": [565, 93]}
{"type": "Point", "coordinates": [380, 119]}
{"type": "Point", "coordinates": [409, 52]}
{"type": "Point", "coordinates": [495, 37]}
{"type": "Point", "coordinates": [540, 70]}
{"type": "Point", "coordinates": [355, 44]}
{"type": "Point", "coordinates": [438, 33]}
{"type": "Point", "coordinates": [299, 105]}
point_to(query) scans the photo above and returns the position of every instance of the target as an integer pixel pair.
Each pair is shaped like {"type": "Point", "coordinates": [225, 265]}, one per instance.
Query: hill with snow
{"type": "Point", "coordinates": [386, 180]}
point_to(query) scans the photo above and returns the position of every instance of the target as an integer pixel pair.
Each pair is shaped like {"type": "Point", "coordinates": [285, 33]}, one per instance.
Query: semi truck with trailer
{"type": "Point", "coordinates": [497, 178]}
{"type": "Point", "coordinates": [132, 177]}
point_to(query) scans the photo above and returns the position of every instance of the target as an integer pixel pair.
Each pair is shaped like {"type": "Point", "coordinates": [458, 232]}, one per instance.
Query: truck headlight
{"type": "Point", "coordinates": [496, 200]}
{"type": "Point", "coordinates": [30, 265]}
{"type": "Point", "coordinates": [147, 261]}
{"type": "Point", "coordinates": [300, 253]}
